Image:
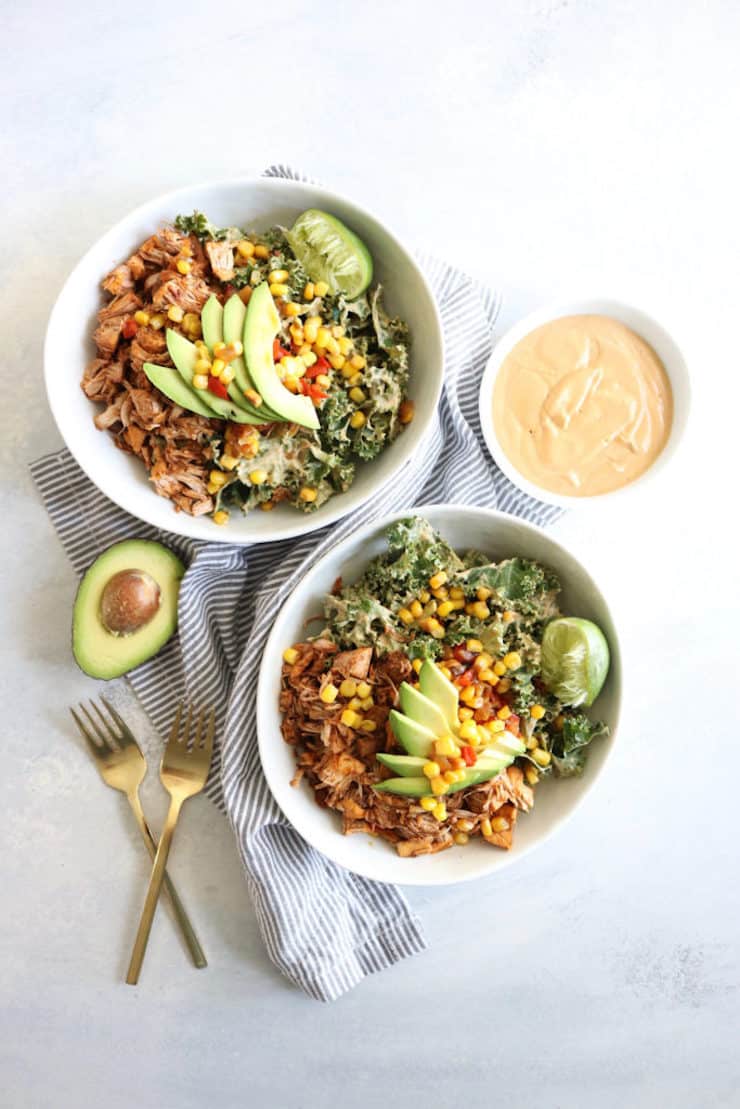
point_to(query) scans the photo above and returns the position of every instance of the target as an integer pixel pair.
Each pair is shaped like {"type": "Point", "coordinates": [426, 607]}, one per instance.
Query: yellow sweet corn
{"type": "Point", "coordinates": [428, 803]}
{"type": "Point", "coordinates": [321, 288]}
{"type": "Point", "coordinates": [329, 694]}
{"type": "Point", "coordinates": [431, 770]}
{"type": "Point", "coordinates": [537, 712]}
{"type": "Point", "coordinates": [220, 517]}
{"type": "Point", "coordinates": [290, 655]}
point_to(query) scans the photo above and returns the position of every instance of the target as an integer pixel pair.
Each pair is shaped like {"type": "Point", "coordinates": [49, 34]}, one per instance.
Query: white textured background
{"type": "Point", "coordinates": [545, 146]}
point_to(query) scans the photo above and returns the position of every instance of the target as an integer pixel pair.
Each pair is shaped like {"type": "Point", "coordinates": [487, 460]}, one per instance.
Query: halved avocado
{"type": "Point", "coordinates": [126, 607]}
{"type": "Point", "coordinates": [169, 382]}
{"type": "Point", "coordinates": [184, 354]}
{"type": "Point", "coordinates": [261, 325]}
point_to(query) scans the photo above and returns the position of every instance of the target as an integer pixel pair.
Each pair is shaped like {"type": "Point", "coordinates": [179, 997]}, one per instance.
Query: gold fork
{"type": "Point", "coordinates": [184, 771]}
{"type": "Point", "coordinates": [122, 766]}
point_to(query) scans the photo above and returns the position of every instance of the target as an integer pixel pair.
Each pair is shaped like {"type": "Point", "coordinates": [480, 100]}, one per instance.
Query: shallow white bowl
{"type": "Point", "coordinates": [464, 526]}
{"type": "Point", "coordinates": [640, 322]}
{"type": "Point", "coordinates": [255, 202]}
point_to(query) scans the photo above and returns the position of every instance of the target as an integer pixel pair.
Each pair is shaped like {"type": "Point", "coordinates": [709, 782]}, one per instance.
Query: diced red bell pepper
{"type": "Point", "coordinates": [466, 678]}
{"type": "Point", "coordinates": [278, 352]}
{"type": "Point", "coordinates": [468, 754]}
{"type": "Point", "coordinates": [320, 366]}
{"type": "Point", "coordinates": [217, 388]}
{"type": "Point", "coordinates": [512, 723]}
{"type": "Point", "coordinates": [129, 329]}
{"type": "Point", "coordinates": [314, 392]}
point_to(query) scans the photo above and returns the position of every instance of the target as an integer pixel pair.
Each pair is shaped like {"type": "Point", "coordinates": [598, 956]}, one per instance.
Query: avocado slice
{"type": "Point", "coordinates": [234, 315]}
{"type": "Point", "coordinates": [408, 766]}
{"type": "Point", "coordinates": [261, 325]}
{"type": "Point", "coordinates": [422, 710]}
{"type": "Point", "coordinates": [184, 354]}
{"type": "Point", "coordinates": [169, 382]}
{"type": "Point", "coordinates": [483, 771]}
{"type": "Point", "coordinates": [439, 689]}
{"type": "Point", "coordinates": [404, 787]}
{"type": "Point", "coordinates": [413, 737]}
{"type": "Point", "coordinates": [126, 607]}
{"type": "Point", "coordinates": [213, 322]}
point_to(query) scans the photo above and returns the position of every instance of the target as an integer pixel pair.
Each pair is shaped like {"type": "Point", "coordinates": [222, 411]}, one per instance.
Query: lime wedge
{"type": "Point", "coordinates": [575, 660]}
{"type": "Point", "coordinates": [330, 252]}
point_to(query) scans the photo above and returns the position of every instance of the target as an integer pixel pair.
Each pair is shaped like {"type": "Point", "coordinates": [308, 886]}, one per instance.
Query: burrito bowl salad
{"type": "Point", "coordinates": [249, 368]}
{"type": "Point", "coordinates": [442, 689]}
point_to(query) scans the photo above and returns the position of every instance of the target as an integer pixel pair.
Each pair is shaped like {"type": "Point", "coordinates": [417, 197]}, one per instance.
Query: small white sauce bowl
{"type": "Point", "coordinates": [647, 328]}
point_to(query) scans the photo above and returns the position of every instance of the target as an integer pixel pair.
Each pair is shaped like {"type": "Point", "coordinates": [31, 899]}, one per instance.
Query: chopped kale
{"type": "Point", "coordinates": [570, 743]}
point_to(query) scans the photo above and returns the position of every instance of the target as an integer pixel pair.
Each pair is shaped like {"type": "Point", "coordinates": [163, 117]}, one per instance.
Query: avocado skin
{"type": "Point", "coordinates": [99, 653]}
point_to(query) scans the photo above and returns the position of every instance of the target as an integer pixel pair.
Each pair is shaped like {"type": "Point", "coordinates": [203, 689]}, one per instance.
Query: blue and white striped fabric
{"type": "Point", "coordinates": [324, 927]}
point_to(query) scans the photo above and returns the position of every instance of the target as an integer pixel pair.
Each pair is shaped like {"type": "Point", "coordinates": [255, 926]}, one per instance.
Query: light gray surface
{"type": "Point", "coordinates": [546, 147]}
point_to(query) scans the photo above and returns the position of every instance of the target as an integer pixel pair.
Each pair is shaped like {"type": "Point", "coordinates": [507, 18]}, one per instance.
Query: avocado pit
{"type": "Point", "coordinates": [129, 601]}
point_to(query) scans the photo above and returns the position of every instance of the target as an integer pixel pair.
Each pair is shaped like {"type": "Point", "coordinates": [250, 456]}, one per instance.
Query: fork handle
{"type": "Point", "coordinates": [152, 893]}
{"type": "Point", "coordinates": [181, 916]}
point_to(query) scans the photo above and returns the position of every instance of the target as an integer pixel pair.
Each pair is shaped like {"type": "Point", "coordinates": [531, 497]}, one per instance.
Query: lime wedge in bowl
{"type": "Point", "coordinates": [330, 252]}
{"type": "Point", "coordinates": [575, 660]}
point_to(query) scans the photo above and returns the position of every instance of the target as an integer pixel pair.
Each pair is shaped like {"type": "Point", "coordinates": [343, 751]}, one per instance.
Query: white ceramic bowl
{"type": "Point", "coordinates": [502, 536]}
{"type": "Point", "coordinates": [257, 202]}
{"type": "Point", "coordinates": [645, 326]}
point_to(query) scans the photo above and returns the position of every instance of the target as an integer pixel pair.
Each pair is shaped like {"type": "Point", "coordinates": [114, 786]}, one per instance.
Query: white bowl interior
{"type": "Point", "coordinates": [502, 536]}
{"type": "Point", "coordinates": [259, 203]}
{"type": "Point", "coordinates": [644, 325]}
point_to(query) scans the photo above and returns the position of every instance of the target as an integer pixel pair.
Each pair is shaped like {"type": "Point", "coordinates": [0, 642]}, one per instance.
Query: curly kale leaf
{"type": "Point", "coordinates": [415, 552]}
{"type": "Point", "coordinates": [569, 745]}
{"type": "Point", "coordinates": [490, 633]}
{"type": "Point", "coordinates": [199, 225]}
{"type": "Point", "coordinates": [519, 583]}
{"type": "Point", "coordinates": [355, 619]}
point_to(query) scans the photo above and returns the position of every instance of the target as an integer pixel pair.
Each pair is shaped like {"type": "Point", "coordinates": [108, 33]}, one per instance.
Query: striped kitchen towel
{"type": "Point", "coordinates": [324, 927]}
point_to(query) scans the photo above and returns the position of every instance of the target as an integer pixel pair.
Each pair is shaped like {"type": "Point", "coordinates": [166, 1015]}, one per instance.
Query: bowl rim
{"type": "Point", "coordinates": [587, 304]}
{"type": "Point", "coordinates": [267, 709]}
{"type": "Point", "coordinates": [179, 523]}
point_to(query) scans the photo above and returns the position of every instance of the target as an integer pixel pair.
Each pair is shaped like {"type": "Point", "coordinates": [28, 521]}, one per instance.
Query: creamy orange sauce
{"type": "Point", "coordinates": [582, 405]}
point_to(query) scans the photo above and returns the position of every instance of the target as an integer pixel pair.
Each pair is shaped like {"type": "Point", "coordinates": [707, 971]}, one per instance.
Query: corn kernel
{"type": "Point", "coordinates": [311, 328]}
{"type": "Point", "coordinates": [157, 321]}
{"type": "Point", "coordinates": [532, 776]}
{"type": "Point", "coordinates": [200, 381]}
{"type": "Point", "coordinates": [507, 616]}
{"type": "Point", "coordinates": [499, 668]}
{"type": "Point", "coordinates": [417, 665]}
{"type": "Point", "coordinates": [261, 251]}
{"type": "Point", "coordinates": [468, 730]}
{"type": "Point", "coordinates": [309, 291]}
{"type": "Point", "coordinates": [279, 276]}
{"type": "Point", "coordinates": [175, 313]}
{"type": "Point", "coordinates": [488, 675]}
{"type": "Point", "coordinates": [367, 703]}
{"type": "Point", "coordinates": [461, 838]}
{"type": "Point", "coordinates": [446, 747]}
{"type": "Point", "coordinates": [253, 397]}
{"type": "Point", "coordinates": [485, 827]}
{"type": "Point", "coordinates": [513, 660]}
{"type": "Point", "coordinates": [444, 670]}
{"type": "Point", "coordinates": [440, 811]}
{"type": "Point", "coordinates": [329, 694]}
{"type": "Point", "coordinates": [227, 375]}
{"type": "Point", "coordinates": [483, 592]}
{"type": "Point", "coordinates": [356, 394]}
{"type": "Point", "coordinates": [336, 361]}
{"type": "Point", "coordinates": [357, 419]}
{"type": "Point", "coordinates": [437, 579]}
{"type": "Point", "coordinates": [355, 703]}
{"type": "Point", "coordinates": [457, 593]}
{"type": "Point", "coordinates": [532, 743]}
{"type": "Point", "coordinates": [323, 380]}
{"type": "Point", "coordinates": [308, 494]}
{"type": "Point", "coordinates": [416, 609]}
{"type": "Point", "coordinates": [257, 477]}
{"type": "Point", "coordinates": [439, 786]}
{"type": "Point", "coordinates": [217, 478]}
{"type": "Point", "coordinates": [358, 362]}
{"type": "Point", "coordinates": [537, 712]}
{"type": "Point", "coordinates": [465, 713]}
{"type": "Point", "coordinates": [202, 366]}
{"type": "Point", "coordinates": [321, 289]}
{"type": "Point", "coordinates": [431, 770]}
{"type": "Point", "coordinates": [142, 318]}
{"type": "Point", "coordinates": [220, 517]}
{"type": "Point", "coordinates": [406, 411]}
{"type": "Point", "coordinates": [364, 689]}
{"type": "Point", "coordinates": [428, 803]}
{"type": "Point", "coordinates": [441, 594]}
{"type": "Point", "coordinates": [290, 655]}
{"type": "Point", "coordinates": [278, 290]}
{"type": "Point", "coordinates": [337, 331]}
{"type": "Point", "coordinates": [356, 379]}
{"type": "Point", "coordinates": [368, 726]}
{"type": "Point", "coordinates": [332, 345]}
{"type": "Point", "coordinates": [348, 688]}
{"type": "Point", "coordinates": [499, 824]}
{"type": "Point", "coordinates": [541, 757]}
{"type": "Point", "coordinates": [434, 628]}
{"type": "Point", "coordinates": [217, 366]}
{"type": "Point", "coordinates": [345, 345]}
{"type": "Point", "coordinates": [504, 712]}
{"type": "Point", "coordinates": [183, 267]}
{"type": "Point", "coordinates": [474, 645]}
{"type": "Point", "coordinates": [497, 726]}
{"type": "Point", "coordinates": [504, 685]}
{"type": "Point", "coordinates": [291, 309]}
{"type": "Point", "coordinates": [450, 776]}
{"type": "Point", "coordinates": [424, 595]}
{"type": "Point", "coordinates": [350, 718]}
{"type": "Point", "coordinates": [480, 610]}
{"type": "Point", "coordinates": [229, 461]}
{"type": "Point", "coordinates": [406, 616]}
{"type": "Point", "coordinates": [323, 335]}
{"type": "Point", "coordinates": [445, 609]}
{"type": "Point", "coordinates": [468, 694]}
{"type": "Point", "coordinates": [244, 248]}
